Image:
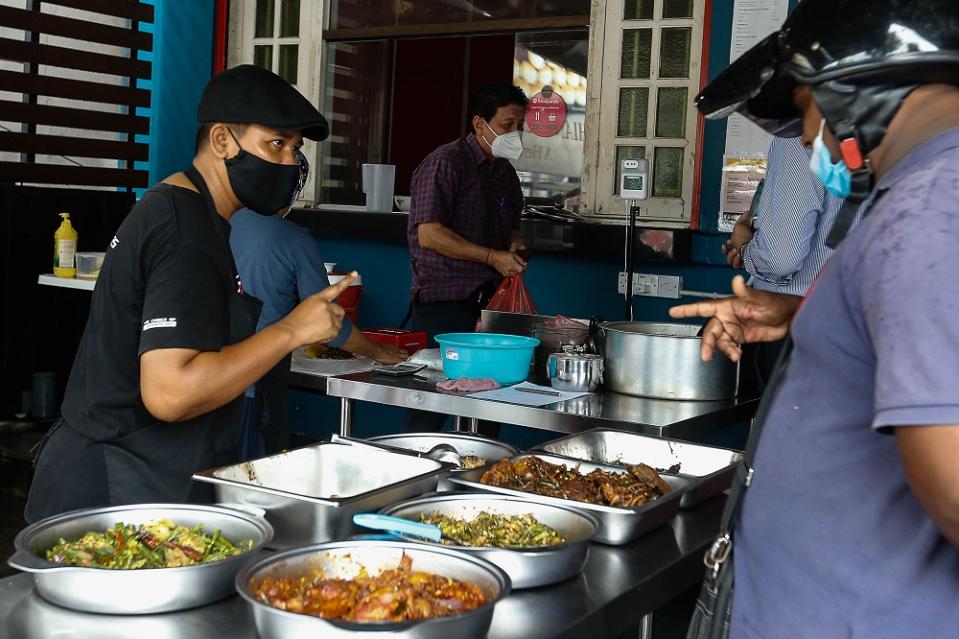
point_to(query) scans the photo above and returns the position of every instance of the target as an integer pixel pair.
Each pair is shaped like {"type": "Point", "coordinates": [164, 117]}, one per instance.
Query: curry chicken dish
{"type": "Point", "coordinates": [638, 485]}
{"type": "Point", "coordinates": [396, 595]}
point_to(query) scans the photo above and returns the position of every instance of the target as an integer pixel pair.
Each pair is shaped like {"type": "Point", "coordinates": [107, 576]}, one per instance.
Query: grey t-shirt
{"type": "Point", "coordinates": [832, 544]}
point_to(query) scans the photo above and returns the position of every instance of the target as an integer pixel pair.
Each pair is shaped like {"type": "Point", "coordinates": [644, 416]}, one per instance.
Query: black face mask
{"type": "Point", "coordinates": [263, 187]}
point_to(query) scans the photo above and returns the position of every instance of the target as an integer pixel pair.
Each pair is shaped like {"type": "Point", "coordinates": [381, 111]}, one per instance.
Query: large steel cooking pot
{"type": "Point", "coordinates": [656, 359]}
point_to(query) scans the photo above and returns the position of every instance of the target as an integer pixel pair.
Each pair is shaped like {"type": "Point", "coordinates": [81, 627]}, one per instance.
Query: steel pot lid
{"type": "Point", "coordinates": [653, 329]}
{"type": "Point", "coordinates": [571, 354]}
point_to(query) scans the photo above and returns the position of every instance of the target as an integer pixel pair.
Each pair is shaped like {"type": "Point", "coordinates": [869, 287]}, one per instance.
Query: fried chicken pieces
{"type": "Point", "coordinates": [391, 596]}
{"type": "Point", "coordinates": [639, 484]}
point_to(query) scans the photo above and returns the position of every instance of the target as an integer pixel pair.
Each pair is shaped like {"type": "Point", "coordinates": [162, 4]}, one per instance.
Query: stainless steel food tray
{"type": "Point", "coordinates": [617, 525]}
{"type": "Point", "coordinates": [709, 470]}
{"type": "Point", "coordinates": [142, 591]}
{"type": "Point", "coordinates": [310, 494]}
{"type": "Point", "coordinates": [344, 560]}
{"type": "Point", "coordinates": [489, 449]}
{"type": "Point", "coordinates": [527, 568]}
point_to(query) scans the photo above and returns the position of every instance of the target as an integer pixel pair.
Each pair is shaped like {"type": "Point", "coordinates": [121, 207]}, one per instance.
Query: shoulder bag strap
{"type": "Point", "coordinates": [719, 552]}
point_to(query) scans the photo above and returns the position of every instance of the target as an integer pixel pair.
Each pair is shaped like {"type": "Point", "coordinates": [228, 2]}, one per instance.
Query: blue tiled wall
{"type": "Point", "coordinates": [182, 59]}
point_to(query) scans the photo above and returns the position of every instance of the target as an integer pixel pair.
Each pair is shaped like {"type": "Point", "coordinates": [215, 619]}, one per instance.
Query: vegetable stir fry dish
{"type": "Point", "coordinates": [631, 489]}
{"type": "Point", "coordinates": [393, 595]}
{"type": "Point", "coordinates": [499, 531]}
{"type": "Point", "coordinates": [158, 544]}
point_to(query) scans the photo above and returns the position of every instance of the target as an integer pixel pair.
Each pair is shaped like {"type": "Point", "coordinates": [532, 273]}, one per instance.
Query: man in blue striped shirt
{"type": "Point", "coordinates": [788, 246]}
{"type": "Point", "coordinates": [784, 247]}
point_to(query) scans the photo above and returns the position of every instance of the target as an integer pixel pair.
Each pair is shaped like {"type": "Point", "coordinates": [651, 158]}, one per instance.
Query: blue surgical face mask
{"type": "Point", "coordinates": [835, 177]}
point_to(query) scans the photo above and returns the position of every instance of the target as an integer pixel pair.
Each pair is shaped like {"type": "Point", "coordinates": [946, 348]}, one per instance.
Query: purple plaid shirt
{"type": "Point", "coordinates": [478, 198]}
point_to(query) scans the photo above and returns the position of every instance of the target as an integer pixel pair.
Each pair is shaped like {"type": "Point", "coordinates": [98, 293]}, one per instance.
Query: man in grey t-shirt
{"type": "Point", "coordinates": [850, 525]}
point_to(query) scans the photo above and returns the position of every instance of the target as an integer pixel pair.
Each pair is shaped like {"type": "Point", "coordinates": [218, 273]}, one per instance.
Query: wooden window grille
{"type": "Point", "coordinates": [71, 79]}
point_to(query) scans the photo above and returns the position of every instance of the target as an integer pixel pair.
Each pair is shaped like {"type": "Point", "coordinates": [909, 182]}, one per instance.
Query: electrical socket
{"type": "Point", "coordinates": [644, 284]}
{"type": "Point", "coordinates": [669, 286]}
{"type": "Point", "coordinates": [650, 285]}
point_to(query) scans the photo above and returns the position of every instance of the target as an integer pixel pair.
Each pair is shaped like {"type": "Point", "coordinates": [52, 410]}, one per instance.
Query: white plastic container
{"type": "Point", "coordinates": [378, 185]}
{"type": "Point", "coordinates": [88, 265]}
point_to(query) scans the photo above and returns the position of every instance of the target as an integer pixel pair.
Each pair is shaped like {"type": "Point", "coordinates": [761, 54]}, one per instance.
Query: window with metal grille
{"type": "Point", "coordinates": [651, 51]}
{"type": "Point", "coordinates": [276, 37]}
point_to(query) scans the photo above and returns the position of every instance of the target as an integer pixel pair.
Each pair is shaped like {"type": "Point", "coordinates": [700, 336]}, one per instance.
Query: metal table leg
{"type": "Point", "coordinates": [646, 626]}
{"type": "Point", "coordinates": [346, 417]}
{"type": "Point", "coordinates": [465, 424]}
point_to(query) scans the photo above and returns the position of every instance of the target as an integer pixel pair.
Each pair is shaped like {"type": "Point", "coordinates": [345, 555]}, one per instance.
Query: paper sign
{"type": "Point", "coordinates": [753, 20]}
{"type": "Point", "coordinates": [540, 395]}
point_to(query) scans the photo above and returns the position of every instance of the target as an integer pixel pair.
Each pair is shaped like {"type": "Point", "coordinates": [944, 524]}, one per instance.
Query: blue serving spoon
{"type": "Point", "coordinates": [400, 526]}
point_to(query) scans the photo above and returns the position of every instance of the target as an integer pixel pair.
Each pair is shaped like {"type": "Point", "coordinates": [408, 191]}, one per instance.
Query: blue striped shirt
{"type": "Point", "coordinates": [793, 219]}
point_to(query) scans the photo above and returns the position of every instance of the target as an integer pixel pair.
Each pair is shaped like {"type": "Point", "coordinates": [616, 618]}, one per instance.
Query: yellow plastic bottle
{"type": "Point", "coordinates": [65, 249]}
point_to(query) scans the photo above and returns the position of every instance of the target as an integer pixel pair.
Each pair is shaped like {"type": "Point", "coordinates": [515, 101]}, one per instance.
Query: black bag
{"type": "Point", "coordinates": [714, 606]}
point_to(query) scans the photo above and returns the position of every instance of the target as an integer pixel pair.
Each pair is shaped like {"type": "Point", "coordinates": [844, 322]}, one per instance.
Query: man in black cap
{"type": "Point", "coordinates": [169, 346]}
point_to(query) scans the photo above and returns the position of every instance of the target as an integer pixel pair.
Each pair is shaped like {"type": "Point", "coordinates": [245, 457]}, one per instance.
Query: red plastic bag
{"type": "Point", "coordinates": [512, 296]}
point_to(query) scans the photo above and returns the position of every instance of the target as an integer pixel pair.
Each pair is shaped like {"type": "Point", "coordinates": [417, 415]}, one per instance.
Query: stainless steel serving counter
{"type": "Point", "coordinates": [658, 417]}
{"type": "Point", "coordinates": [619, 586]}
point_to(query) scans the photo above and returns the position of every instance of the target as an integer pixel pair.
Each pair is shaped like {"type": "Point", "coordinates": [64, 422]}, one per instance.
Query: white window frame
{"type": "Point", "coordinates": [309, 63]}
{"type": "Point", "coordinates": [605, 82]}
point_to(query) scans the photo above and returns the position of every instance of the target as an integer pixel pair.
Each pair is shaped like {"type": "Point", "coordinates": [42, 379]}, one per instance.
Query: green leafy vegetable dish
{"type": "Point", "coordinates": [499, 531]}
{"type": "Point", "coordinates": [158, 544]}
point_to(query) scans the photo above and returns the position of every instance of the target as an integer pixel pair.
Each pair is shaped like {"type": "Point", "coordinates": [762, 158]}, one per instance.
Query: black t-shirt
{"type": "Point", "coordinates": [166, 282]}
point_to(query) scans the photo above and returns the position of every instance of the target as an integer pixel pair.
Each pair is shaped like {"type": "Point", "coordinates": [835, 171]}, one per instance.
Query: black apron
{"type": "Point", "coordinates": [274, 391]}
{"type": "Point", "coordinates": [154, 463]}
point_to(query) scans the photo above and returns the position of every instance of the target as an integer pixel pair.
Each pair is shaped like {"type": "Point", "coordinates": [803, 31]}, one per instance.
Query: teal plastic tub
{"type": "Point", "coordinates": [505, 358]}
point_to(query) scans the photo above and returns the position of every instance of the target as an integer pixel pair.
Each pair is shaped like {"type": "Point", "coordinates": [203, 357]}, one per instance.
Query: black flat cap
{"type": "Point", "coordinates": [250, 95]}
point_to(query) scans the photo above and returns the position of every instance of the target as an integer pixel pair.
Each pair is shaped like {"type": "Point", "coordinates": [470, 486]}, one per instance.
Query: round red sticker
{"type": "Point", "coordinates": [546, 113]}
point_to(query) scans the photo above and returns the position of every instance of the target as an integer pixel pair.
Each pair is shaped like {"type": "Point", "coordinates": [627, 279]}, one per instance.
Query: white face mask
{"type": "Point", "coordinates": [508, 146]}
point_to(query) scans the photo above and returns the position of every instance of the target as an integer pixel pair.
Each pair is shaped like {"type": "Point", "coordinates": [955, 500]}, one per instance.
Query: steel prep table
{"type": "Point", "coordinates": [657, 417]}
{"type": "Point", "coordinates": [675, 419]}
{"type": "Point", "coordinates": [619, 587]}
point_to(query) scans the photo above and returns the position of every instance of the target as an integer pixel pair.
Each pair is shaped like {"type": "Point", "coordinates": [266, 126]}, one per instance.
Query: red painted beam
{"type": "Point", "coordinates": [221, 12]}
{"type": "Point", "coordinates": [694, 221]}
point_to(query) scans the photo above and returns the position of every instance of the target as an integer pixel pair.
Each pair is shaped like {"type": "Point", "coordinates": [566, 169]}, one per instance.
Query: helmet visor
{"type": "Point", "coordinates": [757, 86]}
{"type": "Point", "coordinates": [741, 80]}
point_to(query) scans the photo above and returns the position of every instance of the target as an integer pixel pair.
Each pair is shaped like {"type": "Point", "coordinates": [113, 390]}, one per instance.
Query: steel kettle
{"type": "Point", "coordinates": [574, 370]}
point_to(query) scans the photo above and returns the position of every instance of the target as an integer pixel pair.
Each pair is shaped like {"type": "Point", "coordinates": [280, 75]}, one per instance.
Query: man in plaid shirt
{"type": "Point", "coordinates": [463, 229]}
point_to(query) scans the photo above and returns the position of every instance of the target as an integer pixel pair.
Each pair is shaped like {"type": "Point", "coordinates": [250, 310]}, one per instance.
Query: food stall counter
{"type": "Point", "coordinates": [619, 586]}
